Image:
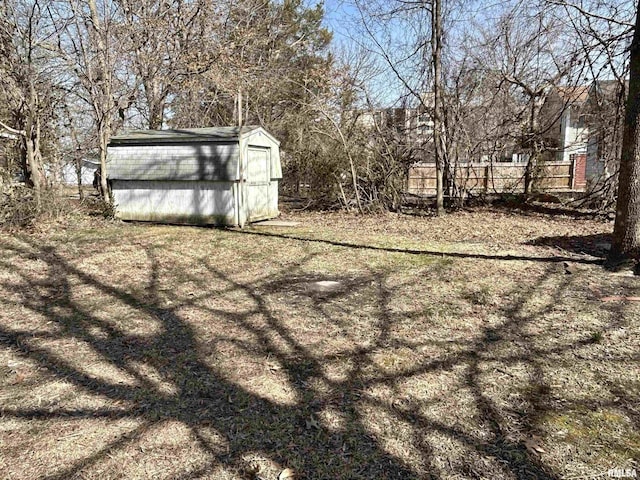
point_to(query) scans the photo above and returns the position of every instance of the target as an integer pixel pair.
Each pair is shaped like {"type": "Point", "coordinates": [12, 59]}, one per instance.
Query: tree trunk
{"type": "Point", "coordinates": [626, 232]}
{"type": "Point", "coordinates": [537, 101]}
{"type": "Point", "coordinates": [33, 172]}
{"type": "Point", "coordinates": [77, 156]}
{"type": "Point", "coordinates": [104, 140]}
{"type": "Point", "coordinates": [102, 104]}
{"type": "Point", "coordinates": [528, 173]}
{"type": "Point", "coordinates": [156, 115]}
{"type": "Point", "coordinates": [77, 161]}
{"type": "Point", "coordinates": [32, 146]}
{"type": "Point", "coordinates": [436, 46]}
{"type": "Point", "coordinates": [155, 101]}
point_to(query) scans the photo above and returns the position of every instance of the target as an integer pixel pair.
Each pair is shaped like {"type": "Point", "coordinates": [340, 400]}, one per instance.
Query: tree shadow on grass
{"type": "Point", "coordinates": [596, 245]}
{"type": "Point", "coordinates": [204, 399]}
{"type": "Point", "coordinates": [553, 210]}
{"type": "Point", "coordinates": [434, 253]}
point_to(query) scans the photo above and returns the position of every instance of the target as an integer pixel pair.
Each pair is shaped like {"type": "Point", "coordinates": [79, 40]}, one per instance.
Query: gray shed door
{"type": "Point", "coordinates": [258, 162]}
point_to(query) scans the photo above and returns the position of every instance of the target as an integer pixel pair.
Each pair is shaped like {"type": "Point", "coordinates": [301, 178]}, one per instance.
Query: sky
{"type": "Point", "coordinates": [344, 20]}
{"type": "Point", "coordinates": [336, 12]}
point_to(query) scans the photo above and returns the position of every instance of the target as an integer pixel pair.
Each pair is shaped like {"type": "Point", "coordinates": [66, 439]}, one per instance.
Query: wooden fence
{"type": "Point", "coordinates": [498, 178]}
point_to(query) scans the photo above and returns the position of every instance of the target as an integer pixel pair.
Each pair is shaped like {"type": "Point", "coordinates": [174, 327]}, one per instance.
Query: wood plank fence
{"type": "Point", "coordinates": [499, 178]}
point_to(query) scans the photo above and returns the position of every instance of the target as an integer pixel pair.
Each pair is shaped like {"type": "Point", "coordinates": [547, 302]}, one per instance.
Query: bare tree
{"type": "Point", "coordinates": [89, 47]}
{"type": "Point", "coordinates": [76, 139]}
{"type": "Point", "coordinates": [604, 30]}
{"type": "Point", "coordinates": [24, 29]}
{"type": "Point", "coordinates": [436, 48]}
{"type": "Point", "coordinates": [100, 83]}
{"type": "Point", "coordinates": [527, 50]}
{"type": "Point", "coordinates": [414, 58]}
{"type": "Point", "coordinates": [166, 42]}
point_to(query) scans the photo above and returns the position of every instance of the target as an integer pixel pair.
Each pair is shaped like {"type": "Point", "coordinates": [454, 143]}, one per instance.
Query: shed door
{"type": "Point", "coordinates": [258, 177]}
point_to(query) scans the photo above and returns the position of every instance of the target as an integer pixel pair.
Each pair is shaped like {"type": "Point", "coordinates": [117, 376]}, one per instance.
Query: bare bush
{"type": "Point", "coordinates": [20, 208]}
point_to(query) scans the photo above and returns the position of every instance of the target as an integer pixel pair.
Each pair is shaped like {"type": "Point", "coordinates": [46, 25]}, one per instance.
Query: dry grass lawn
{"type": "Point", "coordinates": [454, 348]}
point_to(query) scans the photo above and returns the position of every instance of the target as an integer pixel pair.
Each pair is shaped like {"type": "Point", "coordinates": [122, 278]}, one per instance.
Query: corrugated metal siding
{"type": "Point", "coordinates": [197, 161]}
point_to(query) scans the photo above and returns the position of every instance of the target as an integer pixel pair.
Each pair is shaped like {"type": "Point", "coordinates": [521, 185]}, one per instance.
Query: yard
{"type": "Point", "coordinates": [486, 344]}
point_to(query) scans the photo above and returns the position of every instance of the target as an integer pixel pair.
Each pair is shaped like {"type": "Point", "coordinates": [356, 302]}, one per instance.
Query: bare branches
{"type": "Point", "coordinates": [12, 130]}
{"type": "Point", "coordinates": [592, 14]}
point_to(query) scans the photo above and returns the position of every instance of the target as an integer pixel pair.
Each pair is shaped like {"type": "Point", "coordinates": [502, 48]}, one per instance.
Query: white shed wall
{"type": "Point", "coordinates": [190, 202]}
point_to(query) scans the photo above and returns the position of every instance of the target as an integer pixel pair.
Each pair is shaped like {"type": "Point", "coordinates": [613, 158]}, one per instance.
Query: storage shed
{"type": "Point", "coordinates": [218, 175]}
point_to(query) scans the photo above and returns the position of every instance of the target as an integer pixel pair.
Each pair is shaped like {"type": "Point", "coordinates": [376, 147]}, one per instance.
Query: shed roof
{"type": "Point", "coordinates": [209, 134]}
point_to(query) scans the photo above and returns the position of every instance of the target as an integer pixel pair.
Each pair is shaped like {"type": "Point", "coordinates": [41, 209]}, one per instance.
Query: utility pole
{"type": "Point", "coordinates": [436, 48]}
{"type": "Point", "coordinates": [239, 102]}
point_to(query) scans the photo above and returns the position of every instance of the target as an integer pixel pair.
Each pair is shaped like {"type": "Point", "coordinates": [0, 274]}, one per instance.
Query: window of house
{"type": "Point", "coordinates": [423, 119]}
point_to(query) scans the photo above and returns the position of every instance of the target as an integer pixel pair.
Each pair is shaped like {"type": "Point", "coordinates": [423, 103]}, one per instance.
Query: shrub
{"type": "Point", "coordinates": [19, 207]}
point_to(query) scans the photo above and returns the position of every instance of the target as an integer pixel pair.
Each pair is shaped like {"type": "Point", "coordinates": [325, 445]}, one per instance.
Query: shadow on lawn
{"type": "Point", "coordinates": [528, 208]}
{"type": "Point", "coordinates": [596, 245]}
{"type": "Point", "coordinates": [204, 399]}
{"type": "Point", "coordinates": [478, 256]}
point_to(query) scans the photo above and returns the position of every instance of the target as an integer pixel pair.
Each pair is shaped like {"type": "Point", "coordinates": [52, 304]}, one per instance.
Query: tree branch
{"type": "Point", "coordinates": [13, 130]}
{"type": "Point", "coordinates": [587, 13]}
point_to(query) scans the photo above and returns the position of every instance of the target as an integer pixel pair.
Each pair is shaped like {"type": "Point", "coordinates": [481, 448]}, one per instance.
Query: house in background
{"type": "Point", "coordinates": [87, 170]}
{"type": "Point", "coordinates": [561, 167]}
{"type": "Point", "coordinates": [589, 128]}
{"type": "Point", "coordinates": [566, 113]}
{"type": "Point", "coordinates": [567, 132]}
{"type": "Point", "coordinates": [411, 125]}
{"type": "Point", "coordinates": [581, 135]}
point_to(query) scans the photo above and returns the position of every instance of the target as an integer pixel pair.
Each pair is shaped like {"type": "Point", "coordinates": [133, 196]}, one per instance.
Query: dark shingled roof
{"type": "Point", "coordinates": [209, 134]}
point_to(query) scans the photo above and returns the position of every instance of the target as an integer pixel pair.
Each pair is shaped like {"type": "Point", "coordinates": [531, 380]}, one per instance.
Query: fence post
{"type": "Point", "coordinates": [487, 172]}
{"type": "Point", "coordinates": [572, 172]}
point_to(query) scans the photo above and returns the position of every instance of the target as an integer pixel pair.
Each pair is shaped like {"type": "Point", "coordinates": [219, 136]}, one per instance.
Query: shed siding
{"type": "Point", "coordinates": [259, 139]}
{"type": "Point", "coordinates": [193, 202]}
{"type": "Point", "coordinates": [198, 161]}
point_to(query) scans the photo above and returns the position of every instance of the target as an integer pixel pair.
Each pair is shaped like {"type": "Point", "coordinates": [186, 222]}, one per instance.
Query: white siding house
{"type": "Point", "coordinates": [574, 133]}
{"type": "Point", "coordinates": [218, 175]}
{"type": "Point", "coordinates": [87, 171]}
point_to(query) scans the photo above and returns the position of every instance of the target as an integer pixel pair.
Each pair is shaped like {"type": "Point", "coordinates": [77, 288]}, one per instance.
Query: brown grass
{"type": "Point", "coordinates": [454, 347]}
